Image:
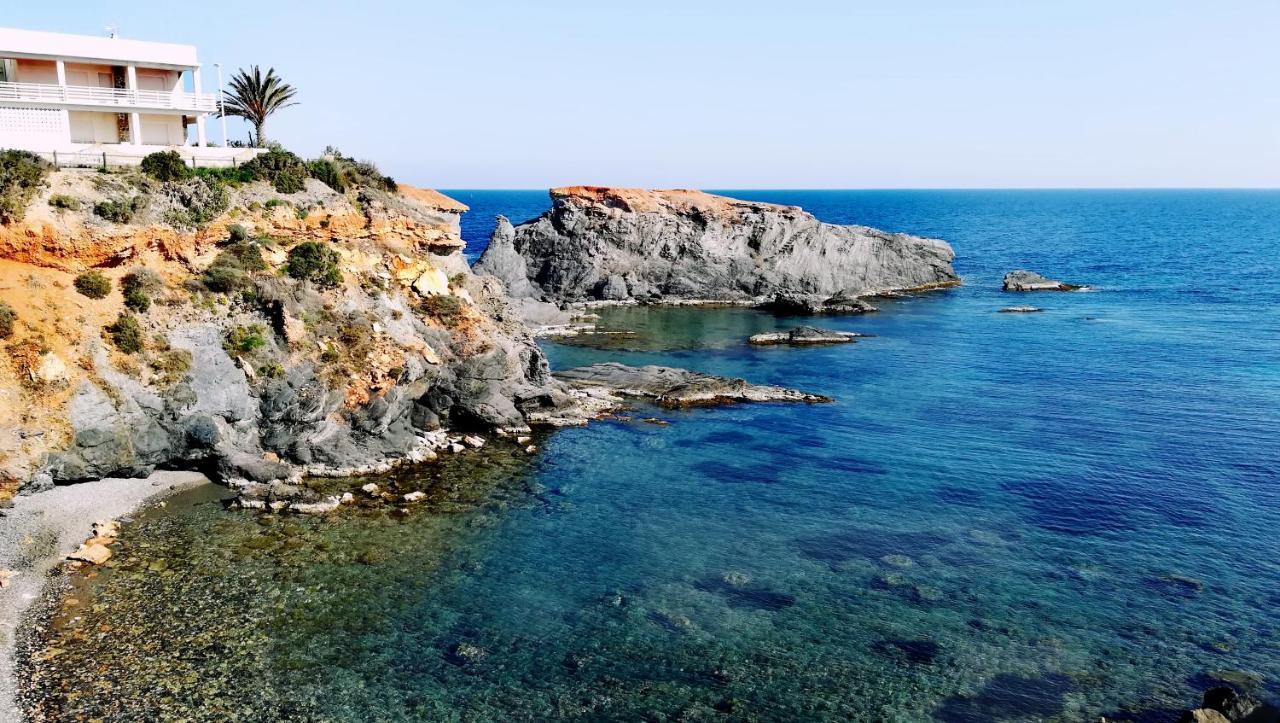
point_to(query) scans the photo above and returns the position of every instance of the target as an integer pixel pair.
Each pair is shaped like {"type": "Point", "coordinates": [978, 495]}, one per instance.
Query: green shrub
{"type": "Point", "coordinates": [237, 233]}
{"type": "Point", "coordinates": [245, 339]}
{"type": "Point", "coordinates": [63, 202]}
{"type": "Point", "coordinates": [330, 354]}
{"type": "Point", "coordinates": [327, 172]}
{"type": "Point", "coordinates": [291, 181]}
{"type": "Point", "coordinates": [137, 286]}
{"type": "Point", "coordinates": [120, 210]}
{"type": "Point", "coordinates": [22, 174]}
{"type": "Point", "coordinates": [342, 173]}
{"type": "Point", "coordinates": [314, 262]}
{"type": "Point", "coordinates": [202, 200]}
{"type": "Point", "coordinates": [165, 166]}
{"type": "Point", "coordinates": [234, 267]}
{"type": "Point", "coordinates": [126, 334]}
{"type": "Point", "coordinates": [276, 202]}
{"type": "Point", "coordinates": [171, 366]}
{"type": "Point", "coordinates": [445, 308]}
{"type": "Point", "coordinates": [271, 165]}
{"type": "Point", "coordinates": [232, 176]}
{"type": "Point", "coordinates": [93, 285]}
{"type": "Point", "coordinates": [7, 318]}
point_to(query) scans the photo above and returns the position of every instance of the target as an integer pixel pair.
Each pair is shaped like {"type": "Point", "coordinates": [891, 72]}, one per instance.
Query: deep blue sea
{"type": "Point", "coordinates": [1031, 517]}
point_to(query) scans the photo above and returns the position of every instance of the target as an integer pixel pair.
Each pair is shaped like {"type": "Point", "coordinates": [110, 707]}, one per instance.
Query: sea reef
{"type": "Point", "coordinates": [672, 387]}
{"type": "Point", "coordinates": [312, 332]}
{"type": "Point", "coordinates": [619, 245]}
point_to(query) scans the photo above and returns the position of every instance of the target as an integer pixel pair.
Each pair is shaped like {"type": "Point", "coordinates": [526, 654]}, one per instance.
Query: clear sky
{"type": "Point", "coordinates": [752, 94]}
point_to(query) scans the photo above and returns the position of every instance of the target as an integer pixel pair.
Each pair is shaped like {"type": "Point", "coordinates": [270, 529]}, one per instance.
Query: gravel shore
{"type": "Point", "coordinates": [40, 529]}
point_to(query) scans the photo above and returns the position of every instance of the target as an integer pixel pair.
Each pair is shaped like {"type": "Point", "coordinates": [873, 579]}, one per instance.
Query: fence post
{"type": "Point", "coordinates": [104, 160]}
{"type": "Point", "coordinates": [55, 159]}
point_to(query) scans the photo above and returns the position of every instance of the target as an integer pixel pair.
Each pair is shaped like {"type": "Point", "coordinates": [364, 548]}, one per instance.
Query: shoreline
{"type": "Point", "coordinates": [41, 529]}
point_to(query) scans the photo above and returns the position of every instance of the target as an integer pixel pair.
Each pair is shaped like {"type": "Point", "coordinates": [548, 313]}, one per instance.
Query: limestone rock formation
{"type": "Point", "coordinates": [669, 246]}
{"type": "Point", "coordinates": [1022, 280]}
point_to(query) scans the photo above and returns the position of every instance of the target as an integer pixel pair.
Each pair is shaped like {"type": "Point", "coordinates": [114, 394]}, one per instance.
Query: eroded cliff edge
{"type": "Point", "coordinates": [620, 244]}
{"type": "Point", "coordinates": [236, 365]}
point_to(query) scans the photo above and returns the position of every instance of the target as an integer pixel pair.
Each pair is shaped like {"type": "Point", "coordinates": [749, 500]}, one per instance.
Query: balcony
{"type": "Point", "coordinates": [118, 99]}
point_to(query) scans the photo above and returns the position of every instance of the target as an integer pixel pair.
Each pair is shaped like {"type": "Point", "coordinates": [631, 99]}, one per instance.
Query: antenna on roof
{"type": "Point", "coordinates": [112, 30]}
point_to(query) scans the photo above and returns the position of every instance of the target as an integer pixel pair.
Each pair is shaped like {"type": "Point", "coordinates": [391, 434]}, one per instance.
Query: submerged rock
{"type": "Point", "coordinates": [802, 335]}
{"type": "Point", "coordinates": [1020, 310]}
{"type": "Point", "coordinates": [814, 304]}
{"type": "Point", "coordinates": [623, 244]}
{"type": "Point", "coordinates": [1022, 280]}
{"type": "Point", "coordinates": [1226, 705]}
{"type": "Point", "coordinates": [673, 387]}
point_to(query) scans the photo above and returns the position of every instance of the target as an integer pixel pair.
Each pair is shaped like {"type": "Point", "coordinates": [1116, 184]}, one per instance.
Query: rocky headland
{"type": "Point", "coordinates": [631, 245]}
{"type": "Point", "coordinates": [255, 334]}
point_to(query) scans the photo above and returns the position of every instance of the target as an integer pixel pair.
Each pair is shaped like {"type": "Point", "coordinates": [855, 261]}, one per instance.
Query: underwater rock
{"type": "Point", "coordinates": [671, 387]}
{"type": "Point", "coordinates": [1021, 310]}
{"type": "Point", "coordinates": [802, 335]}
{"type": "Point", "coordinates": [814, 304]}
{"type": "Point", "coordinates": [1226, 705]}
{"type": "Point", "coordinates": [1022, 280]}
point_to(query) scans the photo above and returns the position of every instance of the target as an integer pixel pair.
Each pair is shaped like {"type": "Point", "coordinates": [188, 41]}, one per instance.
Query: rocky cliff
{"type": "Point", "coordinates": [313, 332]}
{"type": "Point", "coordinates": [629, 244]}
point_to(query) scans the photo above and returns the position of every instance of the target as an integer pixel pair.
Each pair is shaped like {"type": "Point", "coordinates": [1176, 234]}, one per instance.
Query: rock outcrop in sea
{"type": "Point", "coordinates": [672, 387]}
{"type": "Point", "coordinates": [315, 332]}
{"type": "Point", "coordinates": [617, 244]}
{"type": "Point", "coordinates": [1022, 280]}
{"type": "Point", "coordinates": [803, 336]}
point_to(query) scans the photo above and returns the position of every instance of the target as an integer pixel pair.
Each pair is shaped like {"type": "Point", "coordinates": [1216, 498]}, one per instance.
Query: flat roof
{"type": "Point", "coordinates": [16, 43]}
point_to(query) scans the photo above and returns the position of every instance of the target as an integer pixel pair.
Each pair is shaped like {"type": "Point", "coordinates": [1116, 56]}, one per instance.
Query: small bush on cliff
{"type": "Point", "coordinates": [137, 286]}
{"type": "Point", "coordinates": [202, 200]}
{"type": "Point", "coordinates": [284, 170]}
{"type": "Point", "coordinates": [22, 174]}
{"type": "Point", "coordinates": [126, 334]}
{"type": "Point", "coordinates": [245, 339]}
{"type": "Point", "coordinates": [314, 262]}
{"type": "Point", "coordinates": [342, 173]}
{"type": "Point", "coordinates": [165, 166]}
{"type": "Point", "coordinates": [171, 365]}
{"type": "Point", "coordinates": [236, 176]}
{"type": "Point", "coordinates": [237, 233]}
{"type": "Point", "coordinates": [120, 210]}
{"type": "Point", "coordinates": [234, 267]}
{"type": "Point", "coordinates": [93, 285]}
{"type": "Point", "coordinates": [7, 318]}
{"type": "Point", "coordinates": [63, 202]}
{"type": "Point", "coordinates": [445, 308]}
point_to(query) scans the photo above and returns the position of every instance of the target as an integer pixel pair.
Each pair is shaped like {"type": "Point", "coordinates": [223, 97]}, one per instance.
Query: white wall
{"type": "Point", "coordinates": [163, 130]}
{"type": "Point", "coordinates": [87, 127]}
{"type": "Point", "coordinates": [33, 128]}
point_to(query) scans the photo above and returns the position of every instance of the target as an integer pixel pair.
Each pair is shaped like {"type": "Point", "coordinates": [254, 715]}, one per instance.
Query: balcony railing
{"type": "Point", "coordinates": [117, 98]}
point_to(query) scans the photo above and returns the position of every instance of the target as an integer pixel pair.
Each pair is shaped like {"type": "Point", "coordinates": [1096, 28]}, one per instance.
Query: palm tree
{"type": "Point", "coordinates": [255, 97]}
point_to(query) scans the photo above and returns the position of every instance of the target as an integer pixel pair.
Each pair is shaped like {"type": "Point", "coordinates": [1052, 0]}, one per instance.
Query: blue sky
{"type": "Point", "coordinates": [750, 94]}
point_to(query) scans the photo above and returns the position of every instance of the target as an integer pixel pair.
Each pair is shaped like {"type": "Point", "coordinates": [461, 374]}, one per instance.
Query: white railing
{"type": "Point", "coordinates": [108, 97]}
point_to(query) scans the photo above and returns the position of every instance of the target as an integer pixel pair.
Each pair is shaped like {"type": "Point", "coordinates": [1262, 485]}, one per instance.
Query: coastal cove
{"type": "Point", "coordinates": [1049, 516]}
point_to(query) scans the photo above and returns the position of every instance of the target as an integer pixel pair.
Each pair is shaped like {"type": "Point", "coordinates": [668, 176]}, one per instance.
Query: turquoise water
{"type": "Point", "coordinates": [1002, 517]}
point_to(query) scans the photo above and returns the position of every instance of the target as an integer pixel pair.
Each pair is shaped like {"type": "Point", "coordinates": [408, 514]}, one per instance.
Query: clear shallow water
{"type": "Point", "coordinates": [1002, 517]}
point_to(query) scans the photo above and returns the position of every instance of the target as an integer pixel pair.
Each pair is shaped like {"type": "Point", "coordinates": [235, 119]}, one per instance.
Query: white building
{"type": "Point", "coordinates": [80, 95]}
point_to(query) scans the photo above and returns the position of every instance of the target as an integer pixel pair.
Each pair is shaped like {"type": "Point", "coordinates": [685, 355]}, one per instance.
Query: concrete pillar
{"type": "Point", "coordinates": [201, 137]}
{"type": "Point", "coordinates": [135, 119]}
{"type": "Point", "coordinates": [62, 81]}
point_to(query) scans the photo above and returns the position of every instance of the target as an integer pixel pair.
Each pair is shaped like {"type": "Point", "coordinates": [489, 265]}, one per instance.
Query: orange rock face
{"type": "Point", "coordinates": [679, 200]}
